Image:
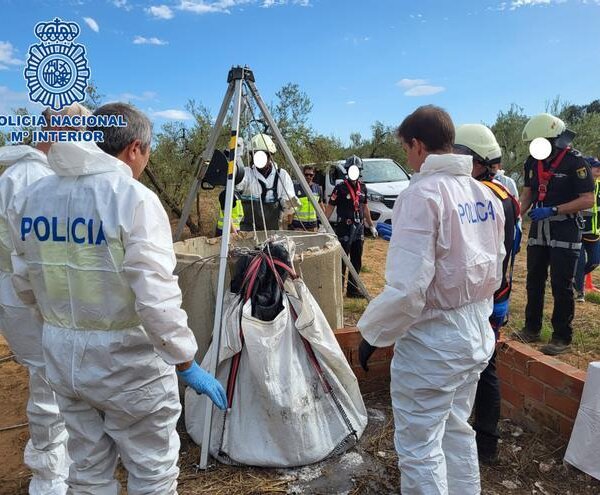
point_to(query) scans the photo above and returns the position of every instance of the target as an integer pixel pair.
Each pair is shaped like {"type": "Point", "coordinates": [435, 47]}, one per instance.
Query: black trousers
{"type": "Point", "coordinates": [486, 410]}
{"type": "Point", "coordinates": [562, 263]}
{"type": "Point", "coordinates": [352, 239]}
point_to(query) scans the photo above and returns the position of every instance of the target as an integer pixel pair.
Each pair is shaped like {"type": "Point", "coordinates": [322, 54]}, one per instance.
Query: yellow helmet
{"type": "Point", "coordinates": [480, 140]}
{"type": "Point", "coordinates": [262, 142]}
{"type": "Point", "coordinates": [543, 125]}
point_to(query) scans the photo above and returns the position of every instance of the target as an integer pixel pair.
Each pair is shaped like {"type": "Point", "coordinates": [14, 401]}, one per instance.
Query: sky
{"type": "Point", "coordinates": [358, 60]}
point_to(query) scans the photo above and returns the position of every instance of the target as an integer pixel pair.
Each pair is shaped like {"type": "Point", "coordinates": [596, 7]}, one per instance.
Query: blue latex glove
{"type": "Point", "coordinates": [542, 213]}
{"type": "Point", "coordinates": [499, 314]}
{"type": "Point", "coordinates": [204, 383]}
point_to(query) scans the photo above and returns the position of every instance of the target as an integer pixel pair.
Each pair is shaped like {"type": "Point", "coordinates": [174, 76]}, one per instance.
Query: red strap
{"type": "Point", "coordinates": [545, 176]}
{"type": "Point", "coordinates": [354, 195]}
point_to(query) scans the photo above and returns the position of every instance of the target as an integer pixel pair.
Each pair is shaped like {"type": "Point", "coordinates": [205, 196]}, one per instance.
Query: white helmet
{"type": "Point", "coordinates": [262, 142]}
{"type": "Point", "coordinates": [480, 141]}
{"type": "Point", "coordinates": [543, 125]}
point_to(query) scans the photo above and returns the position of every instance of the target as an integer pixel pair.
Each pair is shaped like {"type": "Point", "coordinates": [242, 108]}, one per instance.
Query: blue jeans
{"type": "Point", "coordinates": [589, 259]}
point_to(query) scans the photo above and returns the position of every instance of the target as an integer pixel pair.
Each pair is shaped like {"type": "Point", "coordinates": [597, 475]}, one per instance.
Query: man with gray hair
{"type": "Point", "coordinates": [93, 250]}
{"type": "Point", "coordinates": [21, 326]}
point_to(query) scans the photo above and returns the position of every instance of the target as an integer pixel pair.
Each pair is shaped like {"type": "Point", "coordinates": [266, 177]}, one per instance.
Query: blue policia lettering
{"type": "Point", "coordinates": [79, 231]}
{"type": "Point", "coordinates": [475, 212]}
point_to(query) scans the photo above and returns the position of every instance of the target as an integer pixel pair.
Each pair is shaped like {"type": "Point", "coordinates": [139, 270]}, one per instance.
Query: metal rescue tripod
{"type": "Point", "coordinates": [238, 79]}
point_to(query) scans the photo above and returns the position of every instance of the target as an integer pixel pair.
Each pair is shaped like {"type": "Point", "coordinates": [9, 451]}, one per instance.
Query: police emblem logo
{"type": "Point", "coordinates": [582, 173]}
{"type": "Point", "coordinates": [57, 71]}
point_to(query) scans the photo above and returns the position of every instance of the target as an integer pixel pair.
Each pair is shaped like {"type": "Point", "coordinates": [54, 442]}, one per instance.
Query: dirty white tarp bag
{"type": "Point", "coordinates": [281, 414]}
{"type": "Point", "coordinates": [583, 451]}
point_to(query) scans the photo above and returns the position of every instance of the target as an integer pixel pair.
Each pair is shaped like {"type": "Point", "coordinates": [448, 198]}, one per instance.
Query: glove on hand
{"type": "Point", "coordinates": [204, 383]}
{"type": "Point", "coordinates": [499, 314]}
{"type": "Point", "coordinates": [542, 213]}
{"type": "Point", "coordinates": [374, 232]}
{"type": "Point", "coordinates": [365, 350]}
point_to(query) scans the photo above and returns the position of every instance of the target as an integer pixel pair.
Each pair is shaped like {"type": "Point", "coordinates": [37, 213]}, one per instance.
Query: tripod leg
{"type": "Point", "coordinates": [202, 162]}
{"type": "Point", "coordinates": [217, 326]}
{"type": "Point", "coordinates": [300, 177]}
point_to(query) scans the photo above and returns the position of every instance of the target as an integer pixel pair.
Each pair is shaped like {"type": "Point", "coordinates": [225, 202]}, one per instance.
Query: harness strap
{"type": "Point", "coordinates": [502, 193]}
{"type": "Point", "coordinates": [498, 189]}
{"type": "Point", "coordinates": [354, 194]}
{"type": "Point", "coordinates": [273, 188]}
{"type": "Point", "coordinates": [545, 176]}
{"type": "Point", "coordinates": [558, 244]}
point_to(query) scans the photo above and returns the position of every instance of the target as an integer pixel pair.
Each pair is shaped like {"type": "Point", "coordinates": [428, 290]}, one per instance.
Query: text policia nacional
{"type": "Point", "coordinates": [58, 122]}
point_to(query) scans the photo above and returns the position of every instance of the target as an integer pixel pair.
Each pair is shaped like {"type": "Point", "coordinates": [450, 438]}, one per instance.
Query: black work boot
{"type": "Point", "coordinates": [526, 336]}
{"type": "Point", "coordinates": [487, 451]}
{"type": "Point", "coordinates": [555, 347]}
{"type": "Point", "coordinates": [354, 295]}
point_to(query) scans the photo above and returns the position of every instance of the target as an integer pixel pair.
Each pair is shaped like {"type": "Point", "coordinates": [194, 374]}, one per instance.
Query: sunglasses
{"type": "Point", "coordinates": [309, 175]}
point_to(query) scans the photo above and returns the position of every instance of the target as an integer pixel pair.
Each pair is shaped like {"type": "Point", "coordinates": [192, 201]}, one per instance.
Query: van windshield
{"type": "Point", "coordinates": [382, 171]}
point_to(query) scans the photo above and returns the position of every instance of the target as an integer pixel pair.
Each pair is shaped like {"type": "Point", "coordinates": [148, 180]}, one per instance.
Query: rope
{"type": "Point", "coordinates": [14, 427]}
{"type": "Point", "coordinates": [7, 358]}
{"type": "Point", "coordinates": [284, 189]}
{"type": "Point", "coordinates": [201, 261]}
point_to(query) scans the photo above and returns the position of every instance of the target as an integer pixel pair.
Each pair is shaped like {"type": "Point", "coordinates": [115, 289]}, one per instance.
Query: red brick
{"type": "Point", "coordinates": [565, 427]}
{"type": "Point", "coordinates": [561, 376]}
{"type": "Point", "coordinates": [510, 395]}
{"type": "Point", "coordinates": [507, 410]}
{"type": "Point", "coordinates": [518, 355]}
{"type": "Point", "coordinates": [377, 378]}
{"type": "Point", "coordinates": [541, 415]}
{"type": "Point", "coordinates": [504, 372]}
{"type": "Point", "coordinates": [562, 403]}
{"type": "Point", "coordinates": [530, 387]}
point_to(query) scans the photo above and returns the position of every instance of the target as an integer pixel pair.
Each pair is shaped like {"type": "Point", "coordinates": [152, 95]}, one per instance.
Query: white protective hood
{"type": "Point", "coordinates": [74, 159]}
{"type": "Point", "coordinates": [9, 155]}
{"type": "Point", "coordinates": [446, 249]}
{"type": "Point", "coordinates": [446, 164]}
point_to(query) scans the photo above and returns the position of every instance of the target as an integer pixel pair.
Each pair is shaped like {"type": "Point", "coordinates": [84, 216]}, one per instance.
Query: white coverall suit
{"type": "Point", "coordinates": [46, 451]}
{"type": "Point", "coordinates": [443, 266]}
{"type": "Point", "coordinates": [93, 248]}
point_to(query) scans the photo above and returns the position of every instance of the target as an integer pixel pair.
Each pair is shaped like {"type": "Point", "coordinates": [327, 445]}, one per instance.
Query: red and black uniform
{"type": "Point", "coordinates": [556, 241]}
{"type": "Point", "coordinates": [349, 197]}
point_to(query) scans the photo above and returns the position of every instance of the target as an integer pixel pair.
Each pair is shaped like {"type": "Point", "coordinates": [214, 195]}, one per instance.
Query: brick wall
{"type": "Point", "coordinates": [378, 377]}
{"type": "Point", "coordinates": [537, 390]}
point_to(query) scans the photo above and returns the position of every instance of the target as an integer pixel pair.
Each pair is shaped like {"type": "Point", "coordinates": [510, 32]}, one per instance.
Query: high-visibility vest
{"type": "Point", "coordinates": [237, 213]}
{"type": "Point", "coordinates": [306, 213]}
{"type": "Point", "coordinates": [595, 230]}
{"type": "Point", "coordinates": [592, 228]}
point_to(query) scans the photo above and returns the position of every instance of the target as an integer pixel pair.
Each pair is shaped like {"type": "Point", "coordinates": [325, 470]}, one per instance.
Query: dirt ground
{"type": "Point", "coordinates": [529, 464]}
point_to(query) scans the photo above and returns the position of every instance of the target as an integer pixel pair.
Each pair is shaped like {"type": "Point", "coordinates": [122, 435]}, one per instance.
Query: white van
{"type": "Point", "coordinates": [384, 178]}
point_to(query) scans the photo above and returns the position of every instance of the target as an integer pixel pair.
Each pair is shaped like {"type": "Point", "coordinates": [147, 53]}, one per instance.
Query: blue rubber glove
{"type": "Point", "coordinates": [204, 383]}
{"type": "Point", "coordinates": [538, 214]}
{"type": "Point", "coordinates": [499, 314]}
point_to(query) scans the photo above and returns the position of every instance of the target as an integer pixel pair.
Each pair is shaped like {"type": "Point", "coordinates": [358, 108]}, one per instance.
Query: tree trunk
{"type": "Point", "coordinates": [194, 229]}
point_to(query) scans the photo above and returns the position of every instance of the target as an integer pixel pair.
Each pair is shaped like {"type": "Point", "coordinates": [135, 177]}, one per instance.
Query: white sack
{"type": "Point", "coordinates": [281, 415]}
{"type": "Point", "coordinates": [583, 451]}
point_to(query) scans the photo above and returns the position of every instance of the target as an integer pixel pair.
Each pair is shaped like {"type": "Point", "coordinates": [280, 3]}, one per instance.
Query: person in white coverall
{"type": "Point", "coordinates": [443, 266]}
{"type": "Point", "coordinates": [93, 250]}
{"type": "Point", "coordinates": [267, 192]}
{"type": "Point", "coordinates": [21, 326]}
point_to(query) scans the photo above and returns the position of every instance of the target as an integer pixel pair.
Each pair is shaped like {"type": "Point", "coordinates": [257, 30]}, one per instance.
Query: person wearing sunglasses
{"type": "Point", "coordinates": [305, 216]}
